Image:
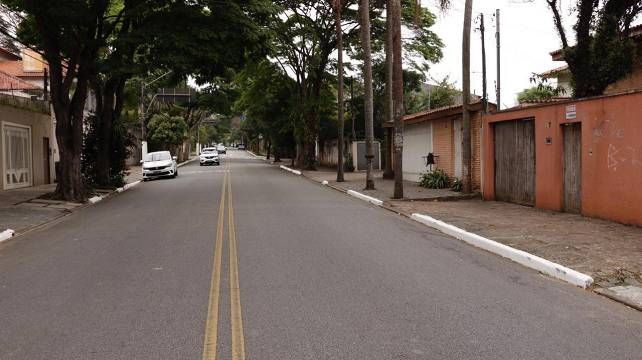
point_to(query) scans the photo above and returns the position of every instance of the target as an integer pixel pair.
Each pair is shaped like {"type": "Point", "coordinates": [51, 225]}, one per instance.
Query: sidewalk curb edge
{"type": "Point", "coordinates": [519, 256]}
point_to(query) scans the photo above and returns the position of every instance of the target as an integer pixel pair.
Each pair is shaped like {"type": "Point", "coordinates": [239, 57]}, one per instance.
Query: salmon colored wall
{"type": "Point", "coordinates": [443, 145]}
{"type": "Point", "coordinates": [611, 155]}
{"type": "Point", "coordinates": [476, 129]}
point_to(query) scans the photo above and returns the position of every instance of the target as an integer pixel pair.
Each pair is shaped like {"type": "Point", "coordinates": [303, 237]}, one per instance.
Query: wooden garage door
{"type": "Point", "coordinates": [515, 161]}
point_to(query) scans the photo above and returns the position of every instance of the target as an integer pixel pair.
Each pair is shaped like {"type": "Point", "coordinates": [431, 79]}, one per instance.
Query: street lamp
{"type": "Point", "coordinates": [143, 131]}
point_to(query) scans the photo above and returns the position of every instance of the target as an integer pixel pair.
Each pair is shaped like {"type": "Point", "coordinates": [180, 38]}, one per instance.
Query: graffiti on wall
{"type": "Point", "coordinates": [619, 152]}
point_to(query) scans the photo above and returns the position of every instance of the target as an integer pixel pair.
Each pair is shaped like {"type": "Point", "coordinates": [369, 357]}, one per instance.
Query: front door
{"type": "Point", "coordinates": [573, 167]}
{"type": "Point", "coordinates": [46, 160]}
{"type": "Point", "coordinates": [17, 156]}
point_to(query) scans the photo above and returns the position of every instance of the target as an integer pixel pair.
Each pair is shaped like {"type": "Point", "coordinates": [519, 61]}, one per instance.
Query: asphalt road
{"type": "Point", "coordinates": [301, 272]}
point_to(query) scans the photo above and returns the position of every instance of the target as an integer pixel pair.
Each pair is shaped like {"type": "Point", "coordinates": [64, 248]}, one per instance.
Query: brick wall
{"type": "Point", "coordinates": [443, 145]}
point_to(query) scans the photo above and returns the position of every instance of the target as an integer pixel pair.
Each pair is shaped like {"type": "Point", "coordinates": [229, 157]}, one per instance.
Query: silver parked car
{"type": "Point", "coordinates": [159, 164]}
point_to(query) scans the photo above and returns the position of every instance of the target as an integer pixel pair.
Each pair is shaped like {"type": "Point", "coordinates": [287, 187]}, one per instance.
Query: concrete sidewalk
{"type": "Point", "coordinates": [23, 209]}
{"type": "Point", "coordinates": [609, 252]}
{"type": "Point", "coordinates": [384, 188]}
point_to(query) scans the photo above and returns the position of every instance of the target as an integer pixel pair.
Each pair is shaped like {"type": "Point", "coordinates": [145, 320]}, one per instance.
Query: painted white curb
{"type": "Point", "coordinates": [130, 185]}
{"type": "Point", "coordinates": [367, 198]}
{"type": "Point", "coordinates": [521, 257]}
{"type": "Point", "coordinates": [6, 235]}
{"type": "Point", "coordinates": [95, 199]}
{"type": "Point", "coordinates": [185, 162]}
{"type": "Point", "coordinates": [296, 172]}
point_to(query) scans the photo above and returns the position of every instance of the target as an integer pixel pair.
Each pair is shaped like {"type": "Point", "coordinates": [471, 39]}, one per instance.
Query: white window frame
{"type": "Point", "coordinates": [5, 185]}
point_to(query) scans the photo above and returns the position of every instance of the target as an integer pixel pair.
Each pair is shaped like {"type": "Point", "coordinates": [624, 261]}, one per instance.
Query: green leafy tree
{"type": "Point", "coordinates": [268, 104]}
{"type": "Point", "coordinates": [535, 94]}
{"type": "Point", "coordinates": [304, 37]}
{"type": "Point", "coordinates": [604, 52]}
{"type": "Point", "coordinates": [167, 131]}
{"type": "Point", "coordinates": [104, 43]}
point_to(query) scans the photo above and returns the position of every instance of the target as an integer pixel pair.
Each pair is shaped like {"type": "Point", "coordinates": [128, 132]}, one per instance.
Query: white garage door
{"type": "Point", "coordinates": [417, 145]}
{"type": "Point", "coordinates": [17, 156]}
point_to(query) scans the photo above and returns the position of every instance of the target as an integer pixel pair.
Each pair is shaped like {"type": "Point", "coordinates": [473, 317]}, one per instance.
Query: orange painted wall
{"type": "Point", "coordinates": [443, 145]}
{"type": "Point", "coordinates": [611, 155]}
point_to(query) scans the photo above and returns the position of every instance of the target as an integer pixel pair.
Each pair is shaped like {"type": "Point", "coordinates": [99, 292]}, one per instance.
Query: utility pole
{"type": "Point", "coordinates": [340, 160]}
{"type": "Point", "coordinates": [466, 136]}
{"type": "Point", "coordinates": [394, 6]}
{"type": "Point", "coordinates": [353, 136]}
{"type": "Point", "coordinates": [483, 46]}
{"type": "Point", "coordinates": [388, 107]}
{"type": "Point", "coordinates": [499, 82]}
{"type": "Point", "coordinates": [364, 9]}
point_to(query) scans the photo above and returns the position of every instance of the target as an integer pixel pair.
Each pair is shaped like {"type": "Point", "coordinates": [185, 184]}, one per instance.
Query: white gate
{"type": "Point", "coordinates": [17, 156]}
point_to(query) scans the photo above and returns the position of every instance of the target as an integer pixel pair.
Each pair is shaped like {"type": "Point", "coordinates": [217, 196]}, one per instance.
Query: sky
{"type": "Point", "coordinates": [527, 36]}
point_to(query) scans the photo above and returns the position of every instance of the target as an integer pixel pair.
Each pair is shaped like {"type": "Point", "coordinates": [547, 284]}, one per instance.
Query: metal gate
{"type": "Point", "coordinates": [572, 167]}
{"type": "Point", "coordinates": [17, 156]}
{"type": "Point", "coordinates": [515, 161]}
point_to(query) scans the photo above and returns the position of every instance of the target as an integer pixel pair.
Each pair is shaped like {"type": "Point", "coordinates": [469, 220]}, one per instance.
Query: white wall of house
{"type": "Point", "coordinates": [417, 145]}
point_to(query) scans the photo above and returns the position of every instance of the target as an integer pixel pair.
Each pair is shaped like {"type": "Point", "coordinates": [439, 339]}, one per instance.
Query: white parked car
{"type": "Point", "coordinates": [159, 164]}
{"type": "Point", "coordinates": [209, 155]}
{"type": "Point", "coordinates": [221, 149]}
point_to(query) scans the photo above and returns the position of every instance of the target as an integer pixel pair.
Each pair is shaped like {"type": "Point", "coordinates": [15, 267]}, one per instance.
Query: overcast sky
{"type": "Point", "coordinates": [527, 37]}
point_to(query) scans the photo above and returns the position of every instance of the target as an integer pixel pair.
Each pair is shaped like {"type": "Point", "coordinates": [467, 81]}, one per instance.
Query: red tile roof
{"type": "Point", "coordinates": [16, 68]}
{"type": "Point", "coordinates": [9, 82]}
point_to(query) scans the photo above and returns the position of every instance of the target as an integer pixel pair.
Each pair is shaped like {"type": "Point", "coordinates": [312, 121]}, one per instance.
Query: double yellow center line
{"type": "Point", "coordinates": [236, 319]}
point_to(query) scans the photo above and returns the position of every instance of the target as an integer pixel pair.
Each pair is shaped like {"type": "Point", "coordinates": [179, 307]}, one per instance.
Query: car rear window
{"type": "Point", "coordinates": [158, 156]}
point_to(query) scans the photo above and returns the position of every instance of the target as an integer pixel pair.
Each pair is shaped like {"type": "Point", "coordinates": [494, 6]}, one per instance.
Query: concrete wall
{"type": "Point", "coordinates": [40, 125]}
{"type": "Point", "coordinates": [329, 153]}
{"type": "Point", "coordinates": [417, 144]}
{"type": "Point", "coordinates": [611, 154]}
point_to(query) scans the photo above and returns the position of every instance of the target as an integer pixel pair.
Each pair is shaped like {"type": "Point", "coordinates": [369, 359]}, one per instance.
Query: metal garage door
{"type": "Point", "coordinates": [515, 161]}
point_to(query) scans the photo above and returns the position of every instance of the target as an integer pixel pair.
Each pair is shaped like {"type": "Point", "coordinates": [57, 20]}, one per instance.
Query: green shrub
{"type": "Point", "coordinates": [457, 185]}
{"type": "Point", "coordinates": [436, 179]}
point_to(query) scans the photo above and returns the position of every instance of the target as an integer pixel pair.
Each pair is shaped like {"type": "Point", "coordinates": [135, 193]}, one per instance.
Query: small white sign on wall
{"type": "Point", "coordinates": [571, 112]}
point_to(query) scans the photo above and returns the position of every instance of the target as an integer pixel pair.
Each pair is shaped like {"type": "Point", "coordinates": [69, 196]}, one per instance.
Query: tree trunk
{"type": "Point", "coordinates": [105, 116]}
{"type": "Point", "coordinates": [397, 95]}
{"type": "Point", "coordinates": [388, 106]}
{"type": "Point", "coordinates": [268, 148]}
{"type": "Point", "coordinates": [466, 138]}
{"type": "Point", "coordinates": [69, 126]}
{"type": "Point", "coordinates": [364, 8]}
{"type": "Point", "coordinates": [340, 141]}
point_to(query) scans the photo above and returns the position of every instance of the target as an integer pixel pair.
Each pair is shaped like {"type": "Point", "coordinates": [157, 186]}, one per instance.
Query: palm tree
{"type": "Point", "coordinates": [364, 9]}
{"type": "Point", "coordinates": [394, 12]}
{"type": "Point", "coordinates": [466, 136]}
{"type": "Point", "coordinates": [337, 19]}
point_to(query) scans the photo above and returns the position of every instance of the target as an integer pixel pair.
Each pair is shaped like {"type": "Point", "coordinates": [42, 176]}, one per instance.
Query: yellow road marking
{"type": "Point", "coordinates": [238, 342]}
{"type": "Point", "coordinates": [211, 326]}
